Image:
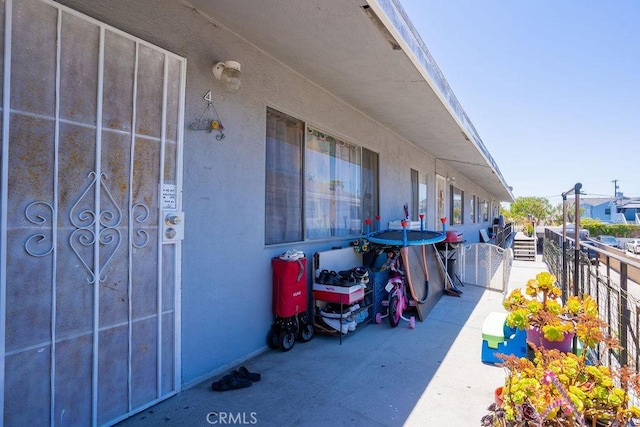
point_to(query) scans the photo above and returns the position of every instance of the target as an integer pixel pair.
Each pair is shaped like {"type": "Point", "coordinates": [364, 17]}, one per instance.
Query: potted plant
{"type": "Point", "coordinates": [559, 388]}
{"type": "Point", "coordinates": [562, 389]}
{"type": "Point", "coordinates": [538, 310]}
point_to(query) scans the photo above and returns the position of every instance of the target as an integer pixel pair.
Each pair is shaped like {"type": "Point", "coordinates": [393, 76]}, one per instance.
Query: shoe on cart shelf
{"type": "Point", "coordinates": [351, 323]}
{"type": "Point", "coordinates": [354, 276]}
{"type": "Point", "coordinates": [333, 310]}
{"type": "Point", "coordinates": [335, 324]}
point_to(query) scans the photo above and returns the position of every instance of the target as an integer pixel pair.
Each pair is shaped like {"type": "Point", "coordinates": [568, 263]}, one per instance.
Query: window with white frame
{"type": "Point", "coordinates": [441, 184]}
{"type": "Point", "coordinates": [419, 194]}
{"type": "Point", "coordinates": [317, 186]}
{"type": "Point", "coordinates": [457, 206]}
{"type": "Point", "coordinates": [472, 209]}
{"type": "Point", "coordinates": [485, 211]}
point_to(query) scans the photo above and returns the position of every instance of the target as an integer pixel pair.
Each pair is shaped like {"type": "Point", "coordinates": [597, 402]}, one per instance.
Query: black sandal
{"type": "Point", "coordinates": [323, 276]}
{"type": "Point", "coordinates": [231, 382]}
{"type": "Point", "coordinates": [243, 372]}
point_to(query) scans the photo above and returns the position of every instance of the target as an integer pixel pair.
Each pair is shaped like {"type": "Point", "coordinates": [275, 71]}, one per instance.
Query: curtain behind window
{"type": "Point", "coordinates": [338, 191]}
{"type": "Point", "coordinates": [457, 207]}
{"type": "Point", "coordinates": [370, 187]}
{"type": "Point", "coordinates": [472, 210]}
{"type": "Point", "coordinates": [415, 197]}
{"type": "Point", "coordinates": [283, 204]}
{"type": "Point", "coordinates": [332, 185]}
{"type": "Point", "coordinates": [419, 194]}
{"type": "Point", "coordinates": [440, 201]}
{"type": "Point", "coordinates": [422, 194]}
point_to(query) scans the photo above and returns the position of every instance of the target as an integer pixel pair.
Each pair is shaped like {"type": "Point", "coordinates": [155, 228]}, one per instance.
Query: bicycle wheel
{"type": "Point", "coordinates": [394, 312]}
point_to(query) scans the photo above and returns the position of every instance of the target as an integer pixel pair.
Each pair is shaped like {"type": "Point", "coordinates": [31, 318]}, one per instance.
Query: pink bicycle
{"type": "Point", "coordinates": [400, 284]}
{"type": "Point", "coordinates": [397, 301]}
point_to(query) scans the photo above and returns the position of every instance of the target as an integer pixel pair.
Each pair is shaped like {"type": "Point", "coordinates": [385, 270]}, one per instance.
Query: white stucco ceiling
{"type": "Point", "coordinates": [334, 44]}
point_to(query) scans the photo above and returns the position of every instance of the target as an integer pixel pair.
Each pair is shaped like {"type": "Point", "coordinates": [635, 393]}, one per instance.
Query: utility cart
{"type": "Point", "coordinates": [289, 306]}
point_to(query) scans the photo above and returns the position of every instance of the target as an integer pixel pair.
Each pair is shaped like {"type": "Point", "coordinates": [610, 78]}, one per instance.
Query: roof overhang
{"type": "Point", "coordinates": [367, 53]}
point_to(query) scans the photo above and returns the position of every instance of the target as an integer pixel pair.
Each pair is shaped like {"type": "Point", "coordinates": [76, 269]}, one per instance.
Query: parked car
{"type": "Point", "coordinates": [633, 246]}
{"type": "Point", "coordinates": [608, 240]}
{"type": "Point", "coordinates": [591, 253]}
{"type": "Point", "coordinates": [571, 232]}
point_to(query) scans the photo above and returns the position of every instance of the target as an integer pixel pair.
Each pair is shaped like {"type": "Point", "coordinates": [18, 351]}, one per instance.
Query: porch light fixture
{"type": "Point", "coordinates": [228, 73]}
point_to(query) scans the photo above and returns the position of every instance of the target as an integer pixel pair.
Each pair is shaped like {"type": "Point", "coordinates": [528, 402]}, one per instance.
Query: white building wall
{"type": "Point", "coordinates": [226, 271]}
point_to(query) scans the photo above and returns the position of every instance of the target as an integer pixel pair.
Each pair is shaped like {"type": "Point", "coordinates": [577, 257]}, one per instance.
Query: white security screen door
{"type": "Point", "coordinates": [91, 166]}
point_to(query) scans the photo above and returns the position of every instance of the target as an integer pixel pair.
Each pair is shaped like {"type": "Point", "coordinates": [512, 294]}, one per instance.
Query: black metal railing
{"type": "Point", "coordinates": [612, 279]}
{"type": "Point", "coordinates": [503, 235]}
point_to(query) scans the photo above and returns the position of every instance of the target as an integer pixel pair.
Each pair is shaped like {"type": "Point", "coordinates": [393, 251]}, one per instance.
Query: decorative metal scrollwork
{"type": "Point", "coordinates": [140, 218]}
{"type": "Point", "coordinates": [84, 220]}
{"type": "Point", "coordinates": [33, 214]}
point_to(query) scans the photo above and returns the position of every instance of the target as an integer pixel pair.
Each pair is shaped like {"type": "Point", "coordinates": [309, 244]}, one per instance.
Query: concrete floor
{"type": "Point", "coordinates": [380, 376]}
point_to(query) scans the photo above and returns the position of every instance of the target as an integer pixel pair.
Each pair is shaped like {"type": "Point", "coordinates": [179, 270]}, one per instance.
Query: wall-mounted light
{"type": "Point", "coordinates": [228, 73]}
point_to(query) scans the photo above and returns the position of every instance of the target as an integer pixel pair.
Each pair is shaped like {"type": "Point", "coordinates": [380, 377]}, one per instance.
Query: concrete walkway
{"type": "Point", "coordinates": [380, 376]}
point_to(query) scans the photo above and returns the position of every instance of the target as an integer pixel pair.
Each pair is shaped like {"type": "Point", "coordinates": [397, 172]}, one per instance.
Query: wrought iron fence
{"type": "Point", "coordinates": [612, 278]}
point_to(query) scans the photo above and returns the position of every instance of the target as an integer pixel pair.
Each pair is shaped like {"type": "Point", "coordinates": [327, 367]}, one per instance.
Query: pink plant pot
{"type": "Point", "coordinates": [534, 336]}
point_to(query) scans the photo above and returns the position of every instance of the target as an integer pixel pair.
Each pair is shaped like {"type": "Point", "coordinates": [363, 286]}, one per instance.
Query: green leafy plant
{"type": "Point", "coordinates": [529, 229]}
{"type": "Point", "coordinates": [597, 228]}
{"type": "Point", "coordinates": [539, 306]}
{"type": "Point", "coordinates": [557, 388]}
{"type": "Point", "coordinates": [562, 389]}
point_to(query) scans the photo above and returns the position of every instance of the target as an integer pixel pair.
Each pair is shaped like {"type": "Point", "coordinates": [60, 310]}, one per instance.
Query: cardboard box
{"type": "Point", "coordinates": [338, 294]}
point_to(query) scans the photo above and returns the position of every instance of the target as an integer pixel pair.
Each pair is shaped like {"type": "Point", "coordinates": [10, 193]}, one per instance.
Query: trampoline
{"type": "Point", "coordinates": [406, 237]}
{"type": "Point", "coordinates": [415, 263]}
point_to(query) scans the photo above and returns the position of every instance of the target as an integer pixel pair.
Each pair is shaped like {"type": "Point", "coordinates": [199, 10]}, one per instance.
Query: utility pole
{"type": "Point", "coordinates": [615, 188]}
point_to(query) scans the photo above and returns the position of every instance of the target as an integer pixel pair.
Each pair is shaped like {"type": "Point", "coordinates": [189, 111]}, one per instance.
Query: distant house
{"type": "Point", "coordinates": [602, 209]}
{"type": "Point", "coordinates": [611, 209]}
{"type": "Point", "coordinates": [629, 209]}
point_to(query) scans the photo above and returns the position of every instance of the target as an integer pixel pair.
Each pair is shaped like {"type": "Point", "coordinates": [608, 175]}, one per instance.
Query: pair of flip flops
{"type": "Point", "coordinates": [241, 378]}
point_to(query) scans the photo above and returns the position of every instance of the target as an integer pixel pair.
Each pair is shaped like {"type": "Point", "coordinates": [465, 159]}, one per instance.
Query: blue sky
{"type": "Point", "coordinates": [552, 87]}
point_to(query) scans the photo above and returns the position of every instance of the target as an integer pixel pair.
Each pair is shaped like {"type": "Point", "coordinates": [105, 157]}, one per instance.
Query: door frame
{"type": "Point", "coordinates": [4, 197]}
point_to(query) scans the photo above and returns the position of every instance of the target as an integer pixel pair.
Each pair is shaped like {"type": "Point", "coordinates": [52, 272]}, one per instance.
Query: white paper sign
{"type": "Point", "coordinates": [169, 192]}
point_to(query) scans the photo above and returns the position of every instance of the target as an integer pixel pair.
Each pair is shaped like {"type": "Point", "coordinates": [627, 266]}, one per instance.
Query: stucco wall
{"type": "Point", "coordinates": [226, 271]}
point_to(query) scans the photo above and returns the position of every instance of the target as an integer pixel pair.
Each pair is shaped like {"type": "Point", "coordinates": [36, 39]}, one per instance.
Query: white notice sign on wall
{"type": "Point", "coordinates": [168, 195]}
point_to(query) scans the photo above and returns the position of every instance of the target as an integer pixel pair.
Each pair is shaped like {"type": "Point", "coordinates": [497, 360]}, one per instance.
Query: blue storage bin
{"type": "Point", "coordinates": [379, 280]}
{"type": "Point", "coordinates": [497, 337]}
